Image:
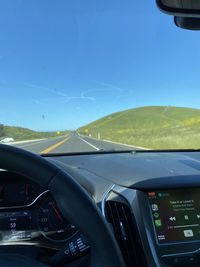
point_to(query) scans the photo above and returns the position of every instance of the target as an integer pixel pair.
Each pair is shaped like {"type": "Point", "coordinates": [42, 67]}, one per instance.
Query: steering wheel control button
{"type": "Point", "coordinates": [76, 247]}
{"type": "Point", "coordinates": [73, 248]}
{"type": "Point", "coordinates": [82, 244]}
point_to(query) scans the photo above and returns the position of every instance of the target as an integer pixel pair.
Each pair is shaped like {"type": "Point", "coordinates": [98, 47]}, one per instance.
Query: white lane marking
{"type": "Point", "coordinates": [125, 145]}
{"type": "Point", "coordinates": [117, 143]}
{"type": "Point", "coordinates": [89, 143]}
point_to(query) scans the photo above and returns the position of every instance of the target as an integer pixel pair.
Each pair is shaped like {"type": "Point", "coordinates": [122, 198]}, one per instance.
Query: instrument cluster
{"type": "Point", "coordinates": [29, 214]}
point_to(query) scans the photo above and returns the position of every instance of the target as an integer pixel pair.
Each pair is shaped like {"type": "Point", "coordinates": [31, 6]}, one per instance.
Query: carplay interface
{"type": "Point", "coordinates": [176, 214]}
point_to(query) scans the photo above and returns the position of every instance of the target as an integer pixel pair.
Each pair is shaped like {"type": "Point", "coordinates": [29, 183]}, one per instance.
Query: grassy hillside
{"type": "Point", "coordinates": [152, 127]}
{"type": "Point", "coordinates": [19, 133]}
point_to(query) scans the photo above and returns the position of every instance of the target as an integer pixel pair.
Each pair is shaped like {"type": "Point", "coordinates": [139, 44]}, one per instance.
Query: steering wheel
{"type": "Point", "coordinates": [74, 203]}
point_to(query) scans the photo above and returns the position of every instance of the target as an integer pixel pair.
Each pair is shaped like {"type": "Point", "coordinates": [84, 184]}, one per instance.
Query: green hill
{"type": "Point", "coordinates": [158, 127]}
{"type": "Point", "coordinates": [19, 133]}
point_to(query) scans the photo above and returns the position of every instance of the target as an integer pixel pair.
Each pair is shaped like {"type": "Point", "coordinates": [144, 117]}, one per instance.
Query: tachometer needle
{"type": "Point", "coordinates": [58, 215]}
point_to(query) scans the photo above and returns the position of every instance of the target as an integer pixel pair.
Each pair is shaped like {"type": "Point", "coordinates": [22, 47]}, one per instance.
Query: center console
{"type": "Point", "coordinates": [172, 219]}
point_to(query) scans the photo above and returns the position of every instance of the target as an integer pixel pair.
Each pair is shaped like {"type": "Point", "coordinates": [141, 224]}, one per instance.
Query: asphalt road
{"type": "Point", "coordinates": [71, 143]}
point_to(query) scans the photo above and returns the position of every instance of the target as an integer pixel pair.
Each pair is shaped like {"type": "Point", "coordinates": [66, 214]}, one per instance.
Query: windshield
{"type": "Point", "coordinates": [78, 76]}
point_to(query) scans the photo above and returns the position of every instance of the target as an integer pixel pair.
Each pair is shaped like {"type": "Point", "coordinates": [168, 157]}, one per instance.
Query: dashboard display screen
{"type": "Point", "coordinates": [176, 214]}
{"type": "Point", "coordinates": [15, 225]}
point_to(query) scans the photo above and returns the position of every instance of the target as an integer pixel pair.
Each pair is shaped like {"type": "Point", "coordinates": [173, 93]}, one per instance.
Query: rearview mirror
{"type": "Point", "coordinates": [188, 23]}
{"type": "Point", "coordinates": [186, 12]}
{"type": "Point", "coordinates": [180, 7]}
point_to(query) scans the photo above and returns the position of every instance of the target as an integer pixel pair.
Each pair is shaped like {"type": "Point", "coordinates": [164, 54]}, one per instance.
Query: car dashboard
{"type": "Point", "coordinates": [150, 200]}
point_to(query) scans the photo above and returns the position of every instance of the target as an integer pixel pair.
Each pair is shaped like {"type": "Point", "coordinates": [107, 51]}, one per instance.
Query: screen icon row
{"type": "Point", "coordinates": [186, 217]}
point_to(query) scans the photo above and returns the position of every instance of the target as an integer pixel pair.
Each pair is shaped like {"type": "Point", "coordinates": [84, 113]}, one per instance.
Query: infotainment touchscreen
{"type": "Point", "coordinates": [175, 214]}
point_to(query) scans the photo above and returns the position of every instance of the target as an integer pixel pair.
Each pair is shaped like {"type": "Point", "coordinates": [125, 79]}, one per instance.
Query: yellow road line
{"type": "Point", "coordinates": [49, 149]}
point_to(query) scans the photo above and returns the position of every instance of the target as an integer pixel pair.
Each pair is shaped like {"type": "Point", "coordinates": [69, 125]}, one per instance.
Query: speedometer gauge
{"type": "Point", "coordinates": [52, 223]}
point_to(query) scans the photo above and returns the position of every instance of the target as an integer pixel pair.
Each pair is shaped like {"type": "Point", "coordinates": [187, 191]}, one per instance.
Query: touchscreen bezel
{"type": "Point", "coordinates": [152, 218]}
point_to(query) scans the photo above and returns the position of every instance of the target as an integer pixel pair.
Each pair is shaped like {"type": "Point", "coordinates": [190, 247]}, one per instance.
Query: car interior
{"type": "Point", "coordinates": [133, 208]}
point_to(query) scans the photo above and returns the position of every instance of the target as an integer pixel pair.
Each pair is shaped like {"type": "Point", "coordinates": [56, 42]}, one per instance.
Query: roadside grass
{"type": "Point", "coordinates": [179, 138]}
{"type": "Point", "coordinates": [150, 127]}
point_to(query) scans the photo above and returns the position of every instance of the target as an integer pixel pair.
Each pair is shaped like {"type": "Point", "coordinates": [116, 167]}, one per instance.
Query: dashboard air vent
{"type": "Point", "coordinates": [119, 215]}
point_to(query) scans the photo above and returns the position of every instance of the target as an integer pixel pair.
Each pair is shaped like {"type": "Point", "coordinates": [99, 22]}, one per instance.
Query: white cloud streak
{"type": "Point", "coordinates": [66, 98]}
{"type": "Point", "coordinates": [86, 95]}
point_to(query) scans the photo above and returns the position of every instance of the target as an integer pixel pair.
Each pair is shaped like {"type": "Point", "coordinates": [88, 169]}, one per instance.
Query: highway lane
{"type": "Point", "coordinates": [39, 146]}
{"type": "Point", "coordinates": [71, 143]}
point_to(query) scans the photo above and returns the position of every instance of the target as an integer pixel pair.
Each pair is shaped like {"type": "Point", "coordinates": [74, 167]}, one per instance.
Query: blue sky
{"type": "Point", "coordinates": [66, 63]}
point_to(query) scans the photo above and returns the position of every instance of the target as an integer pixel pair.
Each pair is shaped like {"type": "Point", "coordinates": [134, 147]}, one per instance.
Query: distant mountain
{"type": "Point", "coordinates": [151, 126]}
{"type": "Point", "coordinates": [19, 133]}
